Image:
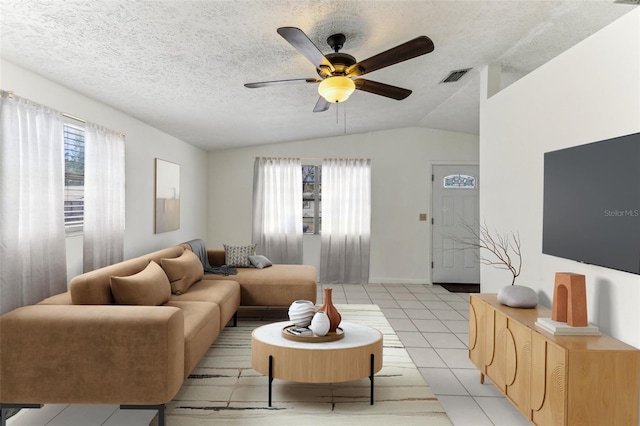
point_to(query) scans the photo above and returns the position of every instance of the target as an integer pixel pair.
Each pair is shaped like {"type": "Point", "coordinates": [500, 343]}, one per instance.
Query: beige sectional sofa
{"type": "Point", "coordinates": [130, 333]}
{"type": "Point", "coordinates": [277, 285]}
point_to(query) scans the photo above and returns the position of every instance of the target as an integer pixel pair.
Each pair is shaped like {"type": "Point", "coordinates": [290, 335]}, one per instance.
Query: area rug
{"type": "Point", "coordinates": [224, 389]}
{"type": "Point", "coordinates": [461, 288]}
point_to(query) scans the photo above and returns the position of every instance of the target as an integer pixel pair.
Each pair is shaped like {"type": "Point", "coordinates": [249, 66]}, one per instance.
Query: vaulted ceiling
{"type": "Point", "coordinates": [181, 66]}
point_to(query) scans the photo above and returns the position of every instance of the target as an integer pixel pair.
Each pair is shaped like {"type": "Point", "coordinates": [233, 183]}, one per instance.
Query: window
{"type": "Point", "coordinates": [311, 199]}
{"type": "Point", "coordinates": [73, 178]}
{"type": "Point", "coordinates": [459, 182]}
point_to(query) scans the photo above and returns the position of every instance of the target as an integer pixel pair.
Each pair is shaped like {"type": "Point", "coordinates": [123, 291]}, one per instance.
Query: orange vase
{"type": "Point", "coordinates": [331, 311]}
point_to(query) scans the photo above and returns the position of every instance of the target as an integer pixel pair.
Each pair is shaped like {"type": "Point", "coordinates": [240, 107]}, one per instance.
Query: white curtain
{"type": "Point", "coordinates": [277, 209]}
{"type": "Point", "coordinates": [104, 197]}
{"type": "Point", "coordinates": [346, 221]}
{"type": "Point", "coordinates": [32, 234]}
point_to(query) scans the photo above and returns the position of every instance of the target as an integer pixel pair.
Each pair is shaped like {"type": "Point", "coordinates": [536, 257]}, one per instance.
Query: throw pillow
{"type": "Point", "coordinates": [260, 261]}
{"type": "Point", "coordinates": [238, 256]}
{"type": "Point", "coordinates": [149, 287]}
{"type": "Point", "coordinates": [183, 271]}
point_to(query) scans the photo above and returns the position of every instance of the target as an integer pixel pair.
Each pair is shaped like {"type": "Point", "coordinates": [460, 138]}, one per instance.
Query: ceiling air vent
{"type": "Point", "coordinates": [636, 2]}
{"type": "Point", "coordinates": [455, 75]}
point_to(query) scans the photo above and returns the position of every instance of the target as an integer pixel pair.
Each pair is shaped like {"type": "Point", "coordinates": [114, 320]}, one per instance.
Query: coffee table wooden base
{"type": "Point", "coordinates": [357, 356]}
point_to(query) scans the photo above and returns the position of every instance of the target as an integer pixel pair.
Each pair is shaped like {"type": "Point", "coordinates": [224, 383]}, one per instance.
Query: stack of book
{"type": "Point", "coordinates": [563, 329]}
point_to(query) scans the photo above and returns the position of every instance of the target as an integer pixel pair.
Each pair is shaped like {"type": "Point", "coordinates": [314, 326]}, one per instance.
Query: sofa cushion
{"type": "Point", "coordinates": [259, 261]}
{"type": "Point", "coordinates": [278, 285]}
{"type": "Point", "coordinates": [91, 355]}
{"type": "Point", "coordinates": [58, 299]}
{"type": "Point", "coordinates": [148, 287]}
{"type": "Point", "coordinates": [201, 328]}
{"type": "Point", "coordinates": [238, 256]}
{"type": "Point", "coordinates": [224, 293]}
{"type": "Point", "coordinates": [94, 287]}
{"type": "Point", "coordinates": [183, 271]}
{"type": "Point", "coordinates": [166, 253]}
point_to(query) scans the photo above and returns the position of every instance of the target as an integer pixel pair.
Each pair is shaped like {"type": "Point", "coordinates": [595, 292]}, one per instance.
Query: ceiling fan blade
{"type": "Point", "coordinates": [298, 39]}
{"type": "Point", "coordinates": [382, 89]}
{"type": "Point", "coordinates": [281, 82]}
{"type": "Point", "coordinates": [411, 49]}
{"type": "Point", "coordinates": [321, 105]}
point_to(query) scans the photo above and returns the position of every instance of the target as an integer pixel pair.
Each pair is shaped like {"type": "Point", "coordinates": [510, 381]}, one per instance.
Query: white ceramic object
{"type": "Point", "coordinates": [301, 312]}
{"type": "Point", "coordinates": [518, 296]}
{"type": "Point", "coordinates": [320, 324]}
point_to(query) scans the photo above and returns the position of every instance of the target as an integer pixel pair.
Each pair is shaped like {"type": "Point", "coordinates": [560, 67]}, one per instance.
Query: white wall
{"type": "Point", "coordinates": [401, 190]}
{"type": "Point", "coordinates": [589, 93]}
{"type": "Point", "coordinates": [143, 144]}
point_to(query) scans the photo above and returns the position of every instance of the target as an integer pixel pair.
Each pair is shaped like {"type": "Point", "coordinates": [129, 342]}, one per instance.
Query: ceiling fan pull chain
{"type": "Point", "coordinates": [337, 107]}
{"type": "Point", "coordinates": [345, 119]}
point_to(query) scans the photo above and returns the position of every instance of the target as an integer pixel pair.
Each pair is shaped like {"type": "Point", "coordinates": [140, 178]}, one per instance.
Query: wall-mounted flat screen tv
{"type": "Point", "coordinates": [592, 203]}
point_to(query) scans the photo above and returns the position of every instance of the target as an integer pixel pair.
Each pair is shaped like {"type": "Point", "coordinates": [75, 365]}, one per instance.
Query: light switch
{"type": "Point", "coordinates": [423, 217]}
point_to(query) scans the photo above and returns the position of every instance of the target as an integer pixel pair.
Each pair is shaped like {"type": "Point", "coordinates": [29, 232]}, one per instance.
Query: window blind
{"type": "Point", "coordinates": [73, 178]}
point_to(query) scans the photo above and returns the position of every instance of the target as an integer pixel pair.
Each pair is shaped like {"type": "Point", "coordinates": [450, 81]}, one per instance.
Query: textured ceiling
{"type": "Point", "coordinates": [180, 66]}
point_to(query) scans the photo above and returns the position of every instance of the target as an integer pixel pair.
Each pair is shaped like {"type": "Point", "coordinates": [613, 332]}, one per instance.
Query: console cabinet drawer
{"type": "Point", "coordinates": [548, 382]}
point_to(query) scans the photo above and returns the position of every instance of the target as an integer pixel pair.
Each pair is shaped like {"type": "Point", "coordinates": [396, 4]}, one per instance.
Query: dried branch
{"type": "Point", "coordinates": [500, 245]}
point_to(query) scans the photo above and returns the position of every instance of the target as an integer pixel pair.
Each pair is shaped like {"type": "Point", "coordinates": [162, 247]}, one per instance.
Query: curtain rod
{"type": "Point", "coordinates": [82, 120]}
{"type": "Point", "coordinates": [73, 117]}
{"type": "Point", "coordinates": [301, 158]}
{"type": "Point", "coordinates": [334, 158]}
{"type": "Point", "coordinates": [11, 95]}
{"type": "Point", "coordinates": [318, 158]}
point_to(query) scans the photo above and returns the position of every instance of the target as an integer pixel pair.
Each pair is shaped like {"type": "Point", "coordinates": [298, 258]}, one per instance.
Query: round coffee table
{"type": "Point", "coordinates": [356, 356]}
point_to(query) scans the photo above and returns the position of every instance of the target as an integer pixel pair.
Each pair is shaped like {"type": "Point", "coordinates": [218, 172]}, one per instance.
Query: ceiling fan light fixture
{"type": "Point", "coordinates": [336, 89]}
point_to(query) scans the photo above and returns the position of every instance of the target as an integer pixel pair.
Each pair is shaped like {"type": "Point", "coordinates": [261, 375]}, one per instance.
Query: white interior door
{"type": "Point", "coordinates": [455, 202]}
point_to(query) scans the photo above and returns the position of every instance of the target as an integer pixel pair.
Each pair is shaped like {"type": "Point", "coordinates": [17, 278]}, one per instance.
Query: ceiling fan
{"type": "Point", "coordinates": [337, 70]}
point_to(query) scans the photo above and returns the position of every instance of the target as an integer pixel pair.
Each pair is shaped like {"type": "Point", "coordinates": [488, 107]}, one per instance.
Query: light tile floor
{"type": "Point", "coordinates": [433, 325]}
{"type": "Point", "coordinates": [431, 322]}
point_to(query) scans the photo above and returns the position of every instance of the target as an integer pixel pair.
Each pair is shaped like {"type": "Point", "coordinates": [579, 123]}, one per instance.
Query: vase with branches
{"type": "Point", "coordinates": [504, 252]}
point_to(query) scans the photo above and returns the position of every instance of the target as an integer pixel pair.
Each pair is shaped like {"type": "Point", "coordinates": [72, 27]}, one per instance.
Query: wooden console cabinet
{"type": "Point", "coordinates": [553, 380]}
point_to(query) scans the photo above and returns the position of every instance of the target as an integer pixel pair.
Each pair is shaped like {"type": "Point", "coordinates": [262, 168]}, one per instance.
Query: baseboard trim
{"type": "Point", "coordinates": [397, 281]}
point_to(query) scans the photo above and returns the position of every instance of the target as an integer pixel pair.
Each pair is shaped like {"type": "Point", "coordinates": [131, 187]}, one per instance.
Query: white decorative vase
{"type": "Point", "coordinates": [518, 296]}
{"type": "Point", "coordinates": [320, 324]}
{"type": "Point", "coordinates": [301, 312]}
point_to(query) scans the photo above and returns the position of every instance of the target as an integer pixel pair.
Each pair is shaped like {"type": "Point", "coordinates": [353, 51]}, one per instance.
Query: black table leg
{"type": "Point", "coordinates": [371, 378]}
{"type": "Point", "coordinates": [371, 375]}
{"type": "Point", "coordinates": [270, 376]}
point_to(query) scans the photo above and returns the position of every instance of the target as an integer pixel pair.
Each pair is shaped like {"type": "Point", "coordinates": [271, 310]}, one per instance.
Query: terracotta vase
{"type": "Point", "coordinates": [330, 310]}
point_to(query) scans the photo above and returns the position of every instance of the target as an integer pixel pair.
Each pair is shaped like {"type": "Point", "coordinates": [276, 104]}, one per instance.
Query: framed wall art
{"type": "Point", "coordinates": [167, 208]}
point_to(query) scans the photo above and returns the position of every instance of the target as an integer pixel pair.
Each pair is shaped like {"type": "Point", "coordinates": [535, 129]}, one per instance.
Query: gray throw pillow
{"type": "Point", "coordinates": [260, 261]}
